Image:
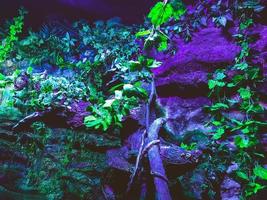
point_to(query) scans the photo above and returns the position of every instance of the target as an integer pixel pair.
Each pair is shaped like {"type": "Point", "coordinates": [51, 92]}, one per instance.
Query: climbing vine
{"type": "Point", "coordinates": [235, 89]}
{"type": "Point", "coordinates": [8, 43]}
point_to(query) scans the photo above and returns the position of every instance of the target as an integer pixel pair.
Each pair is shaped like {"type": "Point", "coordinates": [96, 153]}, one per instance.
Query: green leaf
{"type": "Point", "coordinates": [163, 45]}
{"type": "Point", "coordinates": [242, 175]}
{"type": "Point", "coordinates": [2, 77]}
{"type": "Point", "coordinates": [216, 123]}
{"type": "Point", "coordinates": [116, 87]}
{"type": "Point", "coordinates": [220, 76]}
{"type": "Point", "coordinates": [178, 13]}
{"type": "Point", "coordinates": [218, 133]}
{"type": "Point", "coordinates": [108, 103]}
{"type": "Point", "coordinates": [29, 70]}
{"type": "Point", "coordinates": [91, 121]}
{"type": "Point", "coordinates": [219, 106]}
{"type": "Point", "coordinates": [241, 142]}
{"type": "Point", "coordinates": [143, 33]}
{"type": "Point", "coordinates": [211, 84]}
{"type": "Point", "coordinates": [253, 188]}
{"type": "Point", "coordinates": [260, 172]}
{"type": "Point", "coordinates": [244, 93]}
{"type": "Point", "coordinates": [155, 64]}
{"type": "Point", "coordinates": [160, 13]}
{"type": "Point", "coordinates": [222, 20]}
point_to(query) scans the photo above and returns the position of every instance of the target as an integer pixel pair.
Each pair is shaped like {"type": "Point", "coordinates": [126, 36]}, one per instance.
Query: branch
{"type": "Point", "coordinates": [156, 165]}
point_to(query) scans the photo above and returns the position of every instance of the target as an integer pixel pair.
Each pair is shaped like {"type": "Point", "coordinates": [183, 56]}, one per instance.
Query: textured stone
{"type": "Point", "coordinates": [230, 189]}
{"type": "Point", "coordinates": [185, 73]}
{"type": "Point", "coordinates": [184, 114]}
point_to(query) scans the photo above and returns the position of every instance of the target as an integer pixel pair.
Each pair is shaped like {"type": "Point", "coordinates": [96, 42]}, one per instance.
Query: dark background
{"type": "Point", "coordinates": [130, 11]}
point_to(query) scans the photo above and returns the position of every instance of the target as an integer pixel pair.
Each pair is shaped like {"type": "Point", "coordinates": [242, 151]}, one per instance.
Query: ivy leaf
{"type": "Point", "coordinates": [108, 103]}
{"type": "Point", "coordinates": [244, 93]}
{"type": "Point", "coordinates": [242, 175]}
{"type": "Point", "coordinates": [241, 66]}
{"type": "Point", "coordinates": [219, 106]}
{"type": "Point", "coordinates": [218, 133]}
{"type": "Point", "coordinates": [220, 76]}
{"type": "Point", "coordinates": [211, 84]}
{"type": "Point", "coordinates": [143, 33]}
{"type": "Point", "coordinates": [241, 142]}
{"type": "Point", "coordinates": [260, 172]}
{"type": "Point", "coordinates": [91, 121]}
{"type": "Point", "coordinates": [2, 77]}
{"type": "Point", "coordinates": [154, 64]}
{"type": "Point", "coordinates": [222, 20]}
{"type": "Point", "coordinates": [160, 13]}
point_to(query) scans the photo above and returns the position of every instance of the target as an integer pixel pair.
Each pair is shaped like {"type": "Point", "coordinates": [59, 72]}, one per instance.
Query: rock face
{"type": "Point", "coordinates": [185, 73]}
{"type": "Point", "coordinates": [184, 114]}
{"type": "Point", "coordinates": [181, 83]}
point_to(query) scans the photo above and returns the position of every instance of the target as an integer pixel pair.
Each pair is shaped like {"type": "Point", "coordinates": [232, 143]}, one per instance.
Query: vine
{"type": "Point", "coordinates": [235, 89]}
{"type": "Point", "coordinates": [12, 37]}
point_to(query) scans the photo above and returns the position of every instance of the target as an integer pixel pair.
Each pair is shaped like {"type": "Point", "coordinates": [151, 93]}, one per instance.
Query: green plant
{"type": "Point", "coordinates": [239, 93]}
{"type": "Point", "coordinates": [161, 13]}
{"type": "Point", "coordinates": [112, 111]}
{"type": "Point", "coordinates": [45, 91]}
{"type": "Point", "coordinates": [7, 44]}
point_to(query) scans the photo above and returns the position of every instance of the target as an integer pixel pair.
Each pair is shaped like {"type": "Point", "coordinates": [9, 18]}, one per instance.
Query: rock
{"type": "Point", "coordinates": [21, 82]}
{"type": "Point", "coordinates": [184, 114]}
{"type": "Point", "coordinates": [60, 116]}
{"type": "Point", "coordinates": [185, 73]}
{"type": "Point", "coordinates": [260, 47]}
{"type": "Point", "coordinates": [176, 160]}
{"type": "Point", "coordinates": [192, 184]}
{"type": "Point", "coordinates": [117, 159]}
{"type": "Point", "coordinates": [230, 189]}
{"type": "Point", "coordinates": [78, 112]}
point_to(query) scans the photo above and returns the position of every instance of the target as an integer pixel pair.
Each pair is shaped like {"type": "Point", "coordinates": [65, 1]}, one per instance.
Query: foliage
{"type": "Point", "coordinates": [38, 48]}
{"type": "Point", "coordinates": [7, 44]}
{"type": "Point", "coordinates": [110, 72]}
{"type": "Point", "coordinates": [54, 169]}
{"type": "Point", "coordinates": [109, 41]}
{"type": "Point", "coordinates": [222, 13]}
{"type": "Point", "coordinates": [43, 91]}
{"type": "Point", "coordinates": [239, 92]}
{"type": "Point", "coordinates": [112, 111]}
{"type": "Point", "coordinates": [161, 13]}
